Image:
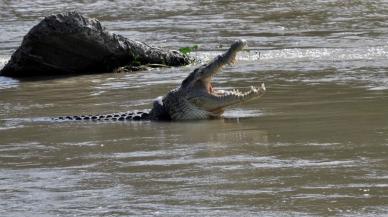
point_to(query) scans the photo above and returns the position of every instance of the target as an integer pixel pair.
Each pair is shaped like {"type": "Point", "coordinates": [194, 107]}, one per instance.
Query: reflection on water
{"type": "Point", "coordinates": [315, 144]}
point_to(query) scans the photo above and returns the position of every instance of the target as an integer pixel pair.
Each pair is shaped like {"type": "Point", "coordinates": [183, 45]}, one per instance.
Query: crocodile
{"type": "Point", "coordinates": [195, 98]}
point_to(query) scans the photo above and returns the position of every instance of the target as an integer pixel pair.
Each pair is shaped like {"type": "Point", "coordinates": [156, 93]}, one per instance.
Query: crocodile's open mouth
{"type": "Point", "coordinates": [226, 98]}
{"type": "Point", "coordinates": [217, 99]}
{"type": "Point", "coordinates": [207, 83]}
{"type": "Point", "coordinates": [202, 100]}
{"type": "Point", "coordinates": [237, 92]}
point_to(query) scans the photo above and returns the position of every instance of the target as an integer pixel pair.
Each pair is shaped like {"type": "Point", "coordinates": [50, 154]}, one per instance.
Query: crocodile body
{"type": "Point", "coordinates": [194, 99]}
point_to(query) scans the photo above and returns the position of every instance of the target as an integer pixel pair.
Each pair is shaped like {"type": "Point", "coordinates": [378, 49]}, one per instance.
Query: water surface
{"type": "Point", "coordinates": [315, 144]}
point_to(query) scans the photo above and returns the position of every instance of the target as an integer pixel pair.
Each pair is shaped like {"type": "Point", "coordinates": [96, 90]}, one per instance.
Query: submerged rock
{"type": "Point", "coordinates": [69, 43]}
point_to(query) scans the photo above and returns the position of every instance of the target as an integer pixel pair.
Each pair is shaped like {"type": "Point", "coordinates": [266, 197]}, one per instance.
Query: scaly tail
{"type": "Point", "coordinates": [124, 116]}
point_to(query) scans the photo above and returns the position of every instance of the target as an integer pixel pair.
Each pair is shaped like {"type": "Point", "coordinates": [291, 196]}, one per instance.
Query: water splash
{"type": "Point", "coordinates": [240, 113]}
{"type": "Point", "coordinates": [6, 83]}
{"type": "Point", "coordinates": [332, 54]}
{"type": "Point", "coordinates": [364, 66]}
{"type": "Point", "coordinates": [3, 61]}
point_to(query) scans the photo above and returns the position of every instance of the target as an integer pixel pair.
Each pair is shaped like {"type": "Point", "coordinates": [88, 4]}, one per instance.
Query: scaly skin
{"type": "Point", "coordinates": [195, 98]}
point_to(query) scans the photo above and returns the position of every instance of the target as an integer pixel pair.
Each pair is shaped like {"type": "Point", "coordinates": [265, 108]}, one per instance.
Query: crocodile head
{"type": "Point", "coordinates": [196, 97]}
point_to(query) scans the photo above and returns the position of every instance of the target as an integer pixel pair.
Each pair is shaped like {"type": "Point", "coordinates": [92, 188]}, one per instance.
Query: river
{"type": "Point", "coordinates": [315, 145]}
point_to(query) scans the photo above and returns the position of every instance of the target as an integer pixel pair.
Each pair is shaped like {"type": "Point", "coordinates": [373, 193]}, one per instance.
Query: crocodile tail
{"type": "Point", "coordinates": [124, 116]}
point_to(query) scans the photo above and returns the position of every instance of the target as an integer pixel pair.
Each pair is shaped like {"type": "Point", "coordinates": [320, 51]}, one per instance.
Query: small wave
{"type": "Point", "coordinates": [3, 61]}
{"type": "Point", "coordinates": [82, 144]}
{"type": "Point", "coordinates": [9, 107]}
{"type": "Point", "coordinates": [240, 113]}
{"type": "Point", "coordinates": [373, 79]}
{"type": "Point", "coordinates": [334, 54]}
{"type": "Point", "coordinates": [10, 123]}
{"type": "Point", "coordinates": [364, 66]}
{"type": "Point", "coordinates": [6, 82]}
{"type": "Point", "coordinates": [10, 127]}
{"type": "Point", "coordinates": [297, 163]}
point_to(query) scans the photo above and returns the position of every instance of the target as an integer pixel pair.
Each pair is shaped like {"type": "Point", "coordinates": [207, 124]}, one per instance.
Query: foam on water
{"type": "Point", "coordinates": [240, 113]}
{"type": "Point", "coordinates": [6, 82]}
{"type": "Point", "coordinates": [3, 61]}
{"type": "Point", "coordinates": [333, 54]}
{"type": "Point", "coordinates": [364, 66]}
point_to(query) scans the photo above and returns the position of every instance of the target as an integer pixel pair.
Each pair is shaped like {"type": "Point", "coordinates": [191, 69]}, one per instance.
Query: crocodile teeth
{"type": "Point", "coordinates": [253, 89]}
{"type": "Point", "coordinates": [263, 86]}
{"type": "Point", "coordinates": [237, 92]}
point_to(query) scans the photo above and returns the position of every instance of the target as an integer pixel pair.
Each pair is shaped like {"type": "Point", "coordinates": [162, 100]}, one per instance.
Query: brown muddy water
{"type": "Point", "coordinates": [315, 145]}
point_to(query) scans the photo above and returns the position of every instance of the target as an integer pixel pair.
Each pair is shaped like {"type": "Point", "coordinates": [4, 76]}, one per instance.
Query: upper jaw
{"type": "Point", "coordinates": [218, 99]}
{"type": "Point", "coordinates": [229, 57]}
{"type": "Point", "coordinates": [238, 45]}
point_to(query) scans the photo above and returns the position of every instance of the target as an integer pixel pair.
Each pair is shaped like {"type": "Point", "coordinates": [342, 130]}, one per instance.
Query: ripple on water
{"type": "Point", "coordinates": [299, 163]}
{"type": "Point", "coordinates": [212, 168]}
{"type": "Point", "coordinates": [7, 124]}
{"type": "Point", "coordinates": [333, 54]}
{"type": "Point", "coordinates": [6, 82]}
{"type": "Point", "coordinates": [30, 189]}
{"type": "Point", "coordinates": [3, 61]}
{"type": "Point", "coordinates": [242, 113]}
{"type": "Point", "coordinates": [365, 66]}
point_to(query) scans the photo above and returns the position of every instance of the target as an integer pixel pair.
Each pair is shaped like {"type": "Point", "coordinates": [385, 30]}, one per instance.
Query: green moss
{"type": "Point", "coordinates": [187, 50]}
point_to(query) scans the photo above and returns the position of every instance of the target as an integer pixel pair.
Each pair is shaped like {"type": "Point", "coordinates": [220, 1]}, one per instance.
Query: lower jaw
{"type": "Point", "coordinates": [218, 111]}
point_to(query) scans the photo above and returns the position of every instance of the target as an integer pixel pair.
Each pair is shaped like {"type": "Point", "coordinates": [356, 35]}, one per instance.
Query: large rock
{"type": "Point", "coordinates": [69, 43]}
